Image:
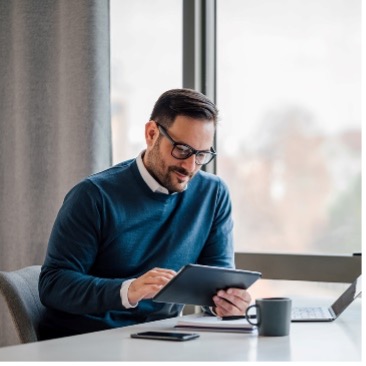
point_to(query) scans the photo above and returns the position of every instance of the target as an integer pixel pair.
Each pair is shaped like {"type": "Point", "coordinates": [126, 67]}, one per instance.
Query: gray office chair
{"type": "Point", "coordinates": [20, 290]}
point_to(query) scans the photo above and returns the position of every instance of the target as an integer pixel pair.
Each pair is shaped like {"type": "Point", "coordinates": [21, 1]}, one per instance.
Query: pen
{"type": "Point", "coordinates": [236, 317]}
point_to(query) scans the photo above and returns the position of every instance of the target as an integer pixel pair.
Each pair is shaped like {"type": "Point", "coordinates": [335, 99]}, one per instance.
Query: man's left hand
{"type": "Point", "coordinates": [233, 301]}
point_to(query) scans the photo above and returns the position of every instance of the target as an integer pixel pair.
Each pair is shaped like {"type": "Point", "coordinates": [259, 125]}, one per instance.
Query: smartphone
{"type": "Point", "coordinates": [166, 336]}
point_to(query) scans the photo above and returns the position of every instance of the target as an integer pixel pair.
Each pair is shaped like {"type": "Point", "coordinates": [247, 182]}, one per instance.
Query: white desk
{"type": "Point", "coordinates": [336, 341]}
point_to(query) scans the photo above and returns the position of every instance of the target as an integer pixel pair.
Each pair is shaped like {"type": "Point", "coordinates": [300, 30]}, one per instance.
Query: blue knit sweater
{"type": "Point", "coordinates": [112, 227]}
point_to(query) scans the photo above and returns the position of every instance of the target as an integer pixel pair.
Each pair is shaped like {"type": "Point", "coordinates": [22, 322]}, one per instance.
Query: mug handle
{"type": "Point", "coordinates": [247, 316]}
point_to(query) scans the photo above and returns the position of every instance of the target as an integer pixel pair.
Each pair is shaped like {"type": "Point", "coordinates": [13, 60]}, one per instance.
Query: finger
{"type": "Point", "coordinates": [157, 277]}
{"type": "Point", "coordinates": [224, 307]}
{"type": "Point", "coordinates": [144, 293]}
{"type": "Point", "coordinates": [241, 293]}
{"type": "Point", "coordinates": [154, 273]}
{"type": "Point", "coordinates": [150, 285]}
{"type": "Point", "coordinates": [143, 288]}
{"type": "Point", "coordinates": [232, 301]}
{"type": "Point", "coordinates": [163, 270]}
{"type": "Point", "coordinates": [241, 298]}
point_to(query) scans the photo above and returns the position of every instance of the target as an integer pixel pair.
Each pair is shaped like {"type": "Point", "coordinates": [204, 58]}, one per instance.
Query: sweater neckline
{"type": "Point", "coordinates": [154, 195]}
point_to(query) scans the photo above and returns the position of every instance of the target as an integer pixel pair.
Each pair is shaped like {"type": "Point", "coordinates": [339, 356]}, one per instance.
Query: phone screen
{"type": "Point", "coordinates": [167, 336]}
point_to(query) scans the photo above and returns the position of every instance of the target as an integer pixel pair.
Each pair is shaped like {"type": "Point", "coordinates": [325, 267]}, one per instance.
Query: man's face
{"type": "Point", "coordinates": [172, 173]}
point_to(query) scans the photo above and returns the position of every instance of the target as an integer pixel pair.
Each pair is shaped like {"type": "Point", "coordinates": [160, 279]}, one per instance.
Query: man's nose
{"type": "Point", "coordinates": [189, 164]}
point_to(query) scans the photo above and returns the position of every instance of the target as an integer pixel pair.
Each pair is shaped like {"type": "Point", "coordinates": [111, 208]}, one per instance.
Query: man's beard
{"type": "Point", "coordinates": [165, 174]}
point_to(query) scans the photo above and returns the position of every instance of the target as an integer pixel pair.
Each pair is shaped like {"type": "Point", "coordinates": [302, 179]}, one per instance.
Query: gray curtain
{"type": "Point", "coordinates": [54, 118]}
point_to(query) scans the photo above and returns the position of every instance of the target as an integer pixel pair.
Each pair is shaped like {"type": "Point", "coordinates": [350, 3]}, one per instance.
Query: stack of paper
{"type": "Point", "coordinates": [212, 323]}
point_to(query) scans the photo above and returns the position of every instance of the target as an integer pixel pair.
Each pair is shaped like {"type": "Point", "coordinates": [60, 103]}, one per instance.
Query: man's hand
{"type": "Point", "coordinates": [147, 285]}
{"type": "Point", "coordinates": [233, 301]}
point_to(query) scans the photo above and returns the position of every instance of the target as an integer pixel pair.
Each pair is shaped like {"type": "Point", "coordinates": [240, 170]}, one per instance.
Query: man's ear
{"type": "Point", "coordinates": [151, 133]}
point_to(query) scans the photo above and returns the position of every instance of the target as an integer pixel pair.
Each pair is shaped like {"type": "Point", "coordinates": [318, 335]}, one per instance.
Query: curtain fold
{"type": "Point", "coordinates": [54, 117]}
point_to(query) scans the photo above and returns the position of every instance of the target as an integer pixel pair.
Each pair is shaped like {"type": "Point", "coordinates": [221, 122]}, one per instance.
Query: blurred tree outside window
{"type": "Point", "coordinates": [289, 141]}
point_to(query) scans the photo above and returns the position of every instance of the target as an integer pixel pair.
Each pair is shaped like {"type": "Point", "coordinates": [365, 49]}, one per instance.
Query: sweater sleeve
{"type": "Point", "coordinates": [65, 282]}
{"type": "Point", "coordinates": [218, 249]}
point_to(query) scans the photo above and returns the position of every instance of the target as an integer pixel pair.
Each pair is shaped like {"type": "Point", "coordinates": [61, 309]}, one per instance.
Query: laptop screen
{"type": "Point", "coordinates": [348, 296]}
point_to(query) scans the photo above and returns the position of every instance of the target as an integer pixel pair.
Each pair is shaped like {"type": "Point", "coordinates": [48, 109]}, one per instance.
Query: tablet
{"type": "Point", "coordinates": [196, 284]}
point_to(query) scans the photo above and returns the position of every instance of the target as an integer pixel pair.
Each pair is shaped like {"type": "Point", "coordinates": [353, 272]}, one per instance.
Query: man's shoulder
{"type": "Point", "coordinates": [208, 184]}
{"type": "Point", "coordinates": [115, 172]}
{"type": "Point", "coordinates": [107, 180]}
{"type": "Point", "coordinates": [209, 178]}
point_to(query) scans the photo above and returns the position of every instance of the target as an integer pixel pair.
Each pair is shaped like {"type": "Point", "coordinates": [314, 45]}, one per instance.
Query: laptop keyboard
{"type": "Point", "coordinates": [309, 313]}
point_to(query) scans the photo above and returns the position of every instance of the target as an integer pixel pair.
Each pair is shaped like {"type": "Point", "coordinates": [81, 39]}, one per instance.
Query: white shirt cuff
{"type": "Point", "coordinates": [124, 294]}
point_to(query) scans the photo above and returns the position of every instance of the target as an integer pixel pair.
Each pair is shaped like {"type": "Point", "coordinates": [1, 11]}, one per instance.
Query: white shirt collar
{"type": "Point", "coordinates": [148, 178]}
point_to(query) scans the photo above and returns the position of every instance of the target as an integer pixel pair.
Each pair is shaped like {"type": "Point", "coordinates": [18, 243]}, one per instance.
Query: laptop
{"type": "Point", "coordinates": [324, 314]}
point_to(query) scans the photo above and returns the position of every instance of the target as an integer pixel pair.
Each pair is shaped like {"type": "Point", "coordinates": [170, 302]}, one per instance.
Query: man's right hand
{"type": "Point", "coordinates": [150, 283]}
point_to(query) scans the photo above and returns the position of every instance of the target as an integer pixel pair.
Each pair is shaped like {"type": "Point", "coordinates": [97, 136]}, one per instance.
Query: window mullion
{"type": "Point", "coordinates": [199, 51]}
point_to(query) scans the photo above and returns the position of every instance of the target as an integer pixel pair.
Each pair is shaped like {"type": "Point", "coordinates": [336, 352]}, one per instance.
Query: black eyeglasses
{"type": "Point", "coordinates": [183, 151]}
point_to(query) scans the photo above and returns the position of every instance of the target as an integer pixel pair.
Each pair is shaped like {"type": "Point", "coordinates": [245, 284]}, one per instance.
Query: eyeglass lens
{"type": "Point", "coordinates": [184, 152]}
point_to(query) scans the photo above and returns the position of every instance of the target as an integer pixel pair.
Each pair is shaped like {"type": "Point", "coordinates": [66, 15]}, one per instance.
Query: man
{"type": "Point", "coordinates": [122, 234]}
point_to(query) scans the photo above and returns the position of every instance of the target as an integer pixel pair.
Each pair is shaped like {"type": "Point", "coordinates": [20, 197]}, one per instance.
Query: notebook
{"type": "Point", "coordinates": [201, 322]}
{"type": "Point", "coordinates": [328, 314]}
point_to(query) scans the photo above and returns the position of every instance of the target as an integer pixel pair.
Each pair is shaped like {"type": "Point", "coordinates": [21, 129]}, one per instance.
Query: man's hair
{"type": "Point", "coordinates": [183, 102]}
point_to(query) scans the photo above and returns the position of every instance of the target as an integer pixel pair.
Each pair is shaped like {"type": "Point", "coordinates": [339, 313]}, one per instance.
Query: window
{"type": "Point", "coordinates": [289, 142]}
{"type": "Point", "coordinates": [146, 60]}
{"type": "Point", "coordinates": [289, 95]}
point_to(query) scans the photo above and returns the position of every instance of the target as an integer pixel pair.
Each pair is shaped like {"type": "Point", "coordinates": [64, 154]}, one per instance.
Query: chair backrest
{"type": "Point", "coordinates": [20, 290]}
